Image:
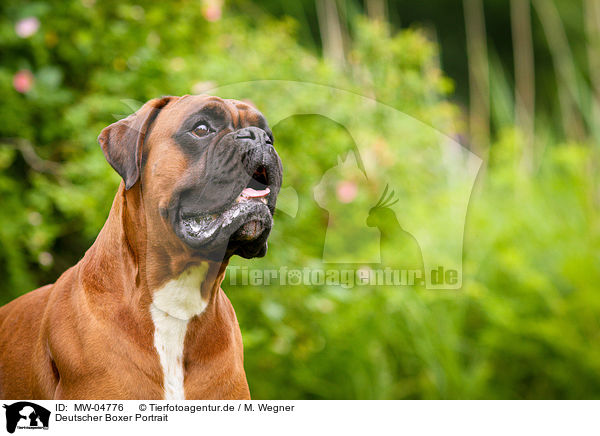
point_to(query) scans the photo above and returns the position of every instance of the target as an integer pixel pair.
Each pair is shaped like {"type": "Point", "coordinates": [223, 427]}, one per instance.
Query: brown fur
{"type": "Point", "coordinates": [90, 334]}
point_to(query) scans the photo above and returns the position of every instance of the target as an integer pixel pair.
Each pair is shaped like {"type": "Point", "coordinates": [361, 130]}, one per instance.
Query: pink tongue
{"type": "Point", "coordinates": [253, 193]}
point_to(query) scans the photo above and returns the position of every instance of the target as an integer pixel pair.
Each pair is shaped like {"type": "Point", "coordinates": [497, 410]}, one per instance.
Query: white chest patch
{"type": "Point", "coordinates": [172, 307]}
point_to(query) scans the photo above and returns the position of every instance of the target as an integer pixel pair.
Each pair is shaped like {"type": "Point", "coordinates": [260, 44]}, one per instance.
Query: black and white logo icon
{"type": "Point", "coordinates": [26, 415]}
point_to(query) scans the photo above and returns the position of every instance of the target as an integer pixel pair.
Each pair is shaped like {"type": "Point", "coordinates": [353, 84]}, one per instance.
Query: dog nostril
{"type": "Point", "coordinates": [248, 134]}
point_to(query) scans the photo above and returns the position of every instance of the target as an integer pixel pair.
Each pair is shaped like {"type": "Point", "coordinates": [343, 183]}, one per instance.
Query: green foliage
{"type": "Point", "coordinates": [525, 323]}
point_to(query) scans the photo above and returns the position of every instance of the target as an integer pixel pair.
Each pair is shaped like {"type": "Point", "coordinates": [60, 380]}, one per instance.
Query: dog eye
{"type": "Point", "coordinates": [201, 130]}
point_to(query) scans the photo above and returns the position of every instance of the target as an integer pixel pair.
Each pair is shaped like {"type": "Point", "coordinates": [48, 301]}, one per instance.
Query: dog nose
{"type": "Point", "coordinates": [253, 137]}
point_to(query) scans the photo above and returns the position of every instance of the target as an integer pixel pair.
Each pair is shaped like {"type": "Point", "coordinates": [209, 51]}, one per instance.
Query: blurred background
{"type": "Point", "coordinates": [516, 82]}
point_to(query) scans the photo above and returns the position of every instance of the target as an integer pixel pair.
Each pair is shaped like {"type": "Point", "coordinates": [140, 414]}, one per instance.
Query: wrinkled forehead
{"type": "Point", "coordinates": [189, 110]}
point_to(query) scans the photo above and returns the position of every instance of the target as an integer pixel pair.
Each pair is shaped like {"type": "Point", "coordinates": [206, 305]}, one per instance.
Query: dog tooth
{"type": "Point", "coordinates": [195, 226]}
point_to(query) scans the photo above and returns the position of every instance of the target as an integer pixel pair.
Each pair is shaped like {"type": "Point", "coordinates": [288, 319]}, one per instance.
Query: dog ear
{"type": "Point", "coordinates": [122, 141]}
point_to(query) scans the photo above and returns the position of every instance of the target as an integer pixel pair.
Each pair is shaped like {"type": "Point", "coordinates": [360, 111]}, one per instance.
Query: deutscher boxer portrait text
{"type": "Point", "coordinates": [142, 315]}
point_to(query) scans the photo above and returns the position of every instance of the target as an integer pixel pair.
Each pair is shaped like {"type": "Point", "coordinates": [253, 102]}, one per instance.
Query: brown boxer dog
{"type": "Point", "coordinates": [142, 315]}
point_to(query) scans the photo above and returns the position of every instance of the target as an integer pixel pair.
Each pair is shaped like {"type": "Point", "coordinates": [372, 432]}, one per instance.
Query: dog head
{"type": "Point", "coordinates": [206, 170]}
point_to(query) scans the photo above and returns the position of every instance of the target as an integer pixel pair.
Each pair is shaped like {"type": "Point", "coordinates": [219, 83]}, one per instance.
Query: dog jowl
{"type": "Point", "coordinates": [142, 315]}
{"type": "Point", "coordinates": [26, 415]}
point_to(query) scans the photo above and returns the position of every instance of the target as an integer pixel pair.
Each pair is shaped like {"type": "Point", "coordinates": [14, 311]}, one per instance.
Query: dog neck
{"type": "Point", "coordinates": [123, 261]}
{"type": "Point", "coordinates": [155, 290]}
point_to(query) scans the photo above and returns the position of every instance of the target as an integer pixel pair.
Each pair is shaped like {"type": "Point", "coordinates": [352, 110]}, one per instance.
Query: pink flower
{"type": "Point", "coordinates": [45, 258]}
{"type": "Point", "coordinates": [346, 191]}
{"type": "Point", "coordinates": [27, 27]}
{"type": "Point", "coordinates": [23, 81]}
{"type": "Point", "coordinates": [212, 10]}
